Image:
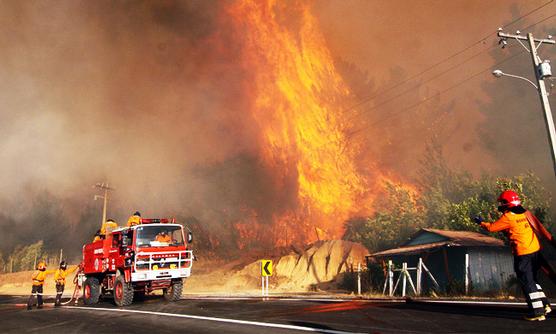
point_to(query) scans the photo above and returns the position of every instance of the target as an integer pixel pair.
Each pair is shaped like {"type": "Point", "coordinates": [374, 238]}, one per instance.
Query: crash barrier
{"type": "Point", "coordinates": [405, 276]}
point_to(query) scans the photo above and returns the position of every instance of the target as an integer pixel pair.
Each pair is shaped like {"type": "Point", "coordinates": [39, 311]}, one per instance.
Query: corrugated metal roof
{"type": "Point", "coordinates": [455, 238]}
{"type": "Point", "coordinates": [466, 238]}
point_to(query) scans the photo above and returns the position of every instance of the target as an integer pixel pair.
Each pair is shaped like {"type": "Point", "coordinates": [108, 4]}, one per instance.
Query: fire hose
{"type": "Point", "coordinates": [78, 281]}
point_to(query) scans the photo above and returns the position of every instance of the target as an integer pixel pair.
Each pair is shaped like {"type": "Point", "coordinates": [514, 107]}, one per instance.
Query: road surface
{"type": "Point", "coordinates": [276, 315]}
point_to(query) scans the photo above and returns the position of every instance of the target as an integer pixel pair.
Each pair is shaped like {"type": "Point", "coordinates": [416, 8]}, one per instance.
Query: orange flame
{"type": "Point", "coordinates": [298, 96]}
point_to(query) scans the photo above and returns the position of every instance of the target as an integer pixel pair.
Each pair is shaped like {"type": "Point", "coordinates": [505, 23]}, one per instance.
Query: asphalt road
{"type": "Point", "coordinates": [249, 315]}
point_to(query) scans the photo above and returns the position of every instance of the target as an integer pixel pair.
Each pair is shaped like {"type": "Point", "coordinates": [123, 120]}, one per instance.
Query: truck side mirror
{"type": "Point", "coordinates": [189, 237]}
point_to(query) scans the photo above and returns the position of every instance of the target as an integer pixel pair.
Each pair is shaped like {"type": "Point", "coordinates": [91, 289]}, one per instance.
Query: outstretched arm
{"type": "Point", "coordinates": [501, 224]}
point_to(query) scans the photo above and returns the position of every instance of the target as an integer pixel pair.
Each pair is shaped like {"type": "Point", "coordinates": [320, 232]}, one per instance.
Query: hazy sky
{"type": "Point", "coordinates": [150, 96]}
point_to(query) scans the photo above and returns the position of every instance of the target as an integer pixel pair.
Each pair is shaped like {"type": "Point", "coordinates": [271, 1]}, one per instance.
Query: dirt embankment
{"type": "Point", "coordinates": [316, 267]}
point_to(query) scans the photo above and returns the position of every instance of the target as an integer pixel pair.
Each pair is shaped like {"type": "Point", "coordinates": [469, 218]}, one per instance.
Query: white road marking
{"type": "Point", "coordinates": [232, 321]}
{"type": "Point", "coordinates": [465, 302]}
{"type": "Point", "coordinates": [346, 300]}
{"type": "Point", "coordinates": [332, 300]}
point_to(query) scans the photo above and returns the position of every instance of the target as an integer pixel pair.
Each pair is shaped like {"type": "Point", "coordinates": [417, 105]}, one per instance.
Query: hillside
{"type": "Point", "coordinates": [317, 267]}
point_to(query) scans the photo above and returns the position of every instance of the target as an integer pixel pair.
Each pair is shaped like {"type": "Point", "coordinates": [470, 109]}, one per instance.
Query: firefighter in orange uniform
{"type": "Point", "coordinates": [526, 249]}
{"type": "Point", "coordinates": [38, 280]}
{"type": "Point", "coordinates": [163, 237]}
{"type": "Point", "coordinates": [135, 219]}
{"type": "Point", "coordinates": [60, 279]}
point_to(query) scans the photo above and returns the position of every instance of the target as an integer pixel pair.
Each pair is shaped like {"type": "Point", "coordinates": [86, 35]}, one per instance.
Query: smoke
{"type": "Point", "coordinates": [132, 93]}
{"type": "Point", "coordinates": [485, 124]}
{"type": "Point", "coordinates": [151, 97]}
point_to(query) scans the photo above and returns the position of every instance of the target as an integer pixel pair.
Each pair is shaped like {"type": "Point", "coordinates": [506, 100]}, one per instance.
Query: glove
{"type": "Point", "coordinates": [478, 219]}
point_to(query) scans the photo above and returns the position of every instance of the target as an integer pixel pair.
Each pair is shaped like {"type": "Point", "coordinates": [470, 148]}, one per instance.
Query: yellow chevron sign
{"type": "Point", "coordinates": [266, 267]}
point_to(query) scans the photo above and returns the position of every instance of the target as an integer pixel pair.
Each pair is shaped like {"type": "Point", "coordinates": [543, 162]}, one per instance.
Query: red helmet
{"type": "Point", "coordinates": [509, 198]}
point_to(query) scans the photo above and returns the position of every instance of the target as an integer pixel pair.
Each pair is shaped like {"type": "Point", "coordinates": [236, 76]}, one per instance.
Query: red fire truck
{"type": "Point", "coordinates": [133, 261]}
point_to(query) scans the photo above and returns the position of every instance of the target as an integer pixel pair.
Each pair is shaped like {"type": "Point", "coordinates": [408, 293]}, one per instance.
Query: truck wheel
{"type": "Point", "coordinates": [173, 293]}
{"type": "Point", "coordinates": [123, 292]}
{"type": "Point", "coordinates": [91, 291]}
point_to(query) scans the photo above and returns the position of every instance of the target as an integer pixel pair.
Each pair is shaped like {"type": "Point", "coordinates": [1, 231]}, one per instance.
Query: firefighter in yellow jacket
{"type": "Point", "coordinates": [135, 219]}
{"type": "Point", "coordinates": [38, 280]}
{"type": "Point", "coordinates": [107, 227]}
{"type": "Point", "coordinates": [515, 221]}
{"type": "Point", "coordinates": [60, 279]}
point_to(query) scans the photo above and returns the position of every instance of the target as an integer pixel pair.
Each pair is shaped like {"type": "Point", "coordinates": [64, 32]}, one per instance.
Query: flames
{"type": "Point", "coordinates": [297, 97]}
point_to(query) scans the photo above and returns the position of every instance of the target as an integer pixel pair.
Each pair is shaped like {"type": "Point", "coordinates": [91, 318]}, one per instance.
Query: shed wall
{"type": "Point", "coordinates": [490, 268]}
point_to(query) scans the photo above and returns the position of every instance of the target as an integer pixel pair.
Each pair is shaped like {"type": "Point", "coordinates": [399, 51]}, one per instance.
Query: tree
{"type": "Point", "coordinates": [399, 217]}
{"type": "Point", "coordinates": [447, 199]}
{"type": "Point", "coordinates": [24, 257]}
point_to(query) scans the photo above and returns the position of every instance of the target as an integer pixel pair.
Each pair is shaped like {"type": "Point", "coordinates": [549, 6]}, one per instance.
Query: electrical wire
{"type": "Point", "coordinates": [440, 74]}
{"type": "Point", "coordinates": [459, 83]}
{"type": "Point", "coordinates": [421, 83]}
{"type": "Point", "coordinates": [482, 40]}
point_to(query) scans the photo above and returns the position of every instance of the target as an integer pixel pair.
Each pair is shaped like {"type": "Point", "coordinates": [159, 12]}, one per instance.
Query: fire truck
{"type": "Point", "coordinates": [133, 261]}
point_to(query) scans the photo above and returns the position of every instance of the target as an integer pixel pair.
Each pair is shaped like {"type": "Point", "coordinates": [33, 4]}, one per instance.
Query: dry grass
{"type": "Point", "coordinates": [20, 282]}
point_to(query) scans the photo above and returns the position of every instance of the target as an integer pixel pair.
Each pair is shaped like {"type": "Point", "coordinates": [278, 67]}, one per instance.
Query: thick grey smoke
{"type": "Point", "coordinates": [134, 93]}
{"type": "Point", "coordinates": [149, 96]}
{"type": "Point", "coordinates": [484, 124]}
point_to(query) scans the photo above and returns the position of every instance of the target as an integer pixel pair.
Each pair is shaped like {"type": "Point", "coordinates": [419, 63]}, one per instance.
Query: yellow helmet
{"type": "Point", "coordinates": [41, 265]}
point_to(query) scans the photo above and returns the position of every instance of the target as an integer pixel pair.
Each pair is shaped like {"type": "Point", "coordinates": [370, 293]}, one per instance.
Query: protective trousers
{"type": "Point", "coordinates": [36, 291]}
{"type": "Point", "coordinates": [59, 292]}
{"type": "Point", "coordinates": [526, 269]}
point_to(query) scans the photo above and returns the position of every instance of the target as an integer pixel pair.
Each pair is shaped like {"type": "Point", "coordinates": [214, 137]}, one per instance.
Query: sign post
{"type": "Point", "coordinates": [266, 271]}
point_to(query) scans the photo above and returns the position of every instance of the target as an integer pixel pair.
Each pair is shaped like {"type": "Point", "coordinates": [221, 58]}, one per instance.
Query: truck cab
{"type": "Point", "coordinates": [133, 261]}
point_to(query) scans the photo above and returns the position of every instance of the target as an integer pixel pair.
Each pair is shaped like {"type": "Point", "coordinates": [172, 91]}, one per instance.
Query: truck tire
{"type": "Point", "coordinates": [91, 291]}
{"type": "Point", "coordinates": [123, 292]}
{"type": "Point", "coordinates": [173, 293]}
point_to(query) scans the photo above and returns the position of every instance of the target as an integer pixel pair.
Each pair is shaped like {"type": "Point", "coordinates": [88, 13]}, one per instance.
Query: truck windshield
{"type": "Point", "coordinates": [159, 236]}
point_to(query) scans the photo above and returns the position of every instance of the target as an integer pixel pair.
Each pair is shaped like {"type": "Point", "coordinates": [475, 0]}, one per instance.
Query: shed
{"type": "Point", "coordinates": [443, 252]}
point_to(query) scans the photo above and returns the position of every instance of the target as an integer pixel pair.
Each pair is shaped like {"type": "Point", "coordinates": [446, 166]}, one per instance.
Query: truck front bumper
{"type": "Point", "coordinates": [160, 274]}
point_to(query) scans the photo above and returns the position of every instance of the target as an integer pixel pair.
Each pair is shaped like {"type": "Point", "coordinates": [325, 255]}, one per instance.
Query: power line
{"type": "Point", "coordinates": [434, 95]}
{"type": "Point", "coordinates": [538, 22]}
{"type": "Point", "coordinates": [369, 98]}
{"type": "Point", "coordinates": [421, 83]}
{"type": "Point", "coordinates": [440, 74]}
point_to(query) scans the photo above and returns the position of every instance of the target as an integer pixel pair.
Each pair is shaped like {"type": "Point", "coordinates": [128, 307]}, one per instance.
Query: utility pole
{"type": "Point", "coordinates": [105, 188]}
{"type": "Point", "coordinates": [542, 70]}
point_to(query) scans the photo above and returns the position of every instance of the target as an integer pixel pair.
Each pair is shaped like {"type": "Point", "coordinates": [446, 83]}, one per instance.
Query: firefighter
{"type": "Point", "coordinates": [60, 279]}
{"type": "Point", "coordinates": [106, 228]}
{"type": "Point", "coordinates": [109, 226]}
{"type": "Point", "coordinates": [135, 219]}
{"type": "Point", "coordinates": [526, 249]}
{"type": "Point", "coordinates": [163, 237]}
{"type": "Point", "coordinates": [98, 236]}
{"type": "Point", "coordinates": [38, 280]}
